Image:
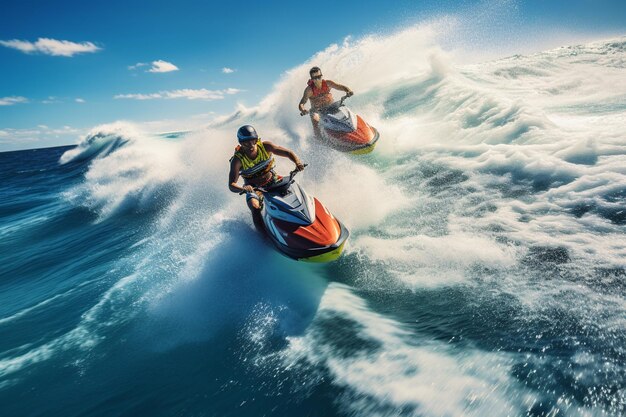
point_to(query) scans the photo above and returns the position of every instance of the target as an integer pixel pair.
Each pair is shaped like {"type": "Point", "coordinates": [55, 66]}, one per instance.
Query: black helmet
{"type": "Point", "coordinates": [246, 132]}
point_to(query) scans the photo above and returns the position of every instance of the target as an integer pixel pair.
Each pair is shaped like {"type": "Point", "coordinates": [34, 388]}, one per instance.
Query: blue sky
{"type": "Point", "coordinates": [53, 89]}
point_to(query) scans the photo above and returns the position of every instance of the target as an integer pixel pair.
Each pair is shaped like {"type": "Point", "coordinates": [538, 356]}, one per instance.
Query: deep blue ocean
{"type": "Point", "coordinates": [484, 275]}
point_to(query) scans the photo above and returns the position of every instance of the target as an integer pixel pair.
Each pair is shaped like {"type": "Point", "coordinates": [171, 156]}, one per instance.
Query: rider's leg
{"type": "Point", "coordinates": [255, 204]}
{"type": "Point", "coordinates": [315, 121]}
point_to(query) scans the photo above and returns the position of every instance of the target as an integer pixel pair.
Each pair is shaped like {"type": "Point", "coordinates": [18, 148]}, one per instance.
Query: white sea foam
{"type": "Point", "coordinates": [430, 261]}
{"type": "Point", "coordinates": [516, 124]}
{"type": "Point", "coordinates": [516, 118]}
{"type": "Point", "coordinates": [389, 371]}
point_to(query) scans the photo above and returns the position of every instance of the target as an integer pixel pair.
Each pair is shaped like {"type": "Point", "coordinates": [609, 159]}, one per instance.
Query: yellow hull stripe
{"type": "Point", "coordinates": [325, 257]}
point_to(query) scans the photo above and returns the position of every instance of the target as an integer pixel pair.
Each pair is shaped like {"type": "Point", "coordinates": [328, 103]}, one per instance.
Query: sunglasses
{"type": "Point", "coordinates": [317, 77]}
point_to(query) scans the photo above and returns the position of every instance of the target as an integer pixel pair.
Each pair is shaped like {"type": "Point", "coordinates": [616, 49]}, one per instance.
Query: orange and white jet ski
{"type": "Point", "coordinates": [346, 131]}
{"type": "Point", "coordinates": [299, 225]}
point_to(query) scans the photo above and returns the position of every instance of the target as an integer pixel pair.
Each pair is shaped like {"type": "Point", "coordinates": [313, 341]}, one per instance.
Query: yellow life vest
{"type": "Point", "coordinates": [257, 167]}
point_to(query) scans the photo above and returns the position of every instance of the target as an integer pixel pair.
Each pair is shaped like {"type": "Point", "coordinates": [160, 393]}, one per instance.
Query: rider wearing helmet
{"type": "Point", "coordinates": [318, 91]}
{"type": "Point", "coordinates": [254, 161]}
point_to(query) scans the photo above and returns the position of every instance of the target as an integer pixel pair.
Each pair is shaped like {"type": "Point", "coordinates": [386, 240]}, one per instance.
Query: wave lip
{"type": "Point", "coordinates": [100, 142]}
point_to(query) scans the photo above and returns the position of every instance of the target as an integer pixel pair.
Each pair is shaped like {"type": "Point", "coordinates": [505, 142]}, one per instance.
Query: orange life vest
{"type": "Point", "coordinates": [321, 96]}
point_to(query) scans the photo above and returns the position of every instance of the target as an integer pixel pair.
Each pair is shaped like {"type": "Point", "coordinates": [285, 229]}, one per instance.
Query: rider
{"type": "Point", "coordinates": [253, 160]}
{"type": "Point", "coordinates": [318, 91]}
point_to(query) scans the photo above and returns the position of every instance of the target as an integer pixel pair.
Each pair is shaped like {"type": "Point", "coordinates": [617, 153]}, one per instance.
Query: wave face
{"type": "Point", "coordinates": [484, 276]}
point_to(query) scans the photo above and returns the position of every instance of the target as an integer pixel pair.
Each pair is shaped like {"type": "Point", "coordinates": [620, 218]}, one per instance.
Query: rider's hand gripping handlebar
{"type": "Point", "coordinates": [263, 190]}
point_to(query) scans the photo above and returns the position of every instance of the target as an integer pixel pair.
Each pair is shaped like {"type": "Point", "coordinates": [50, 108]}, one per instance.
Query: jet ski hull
{"type": "Point", "coordinates": [301, 227]}
{"type": "Point", "coordinates": [346, 131]}
{"type": "Point", "coordinates": [314, 253]}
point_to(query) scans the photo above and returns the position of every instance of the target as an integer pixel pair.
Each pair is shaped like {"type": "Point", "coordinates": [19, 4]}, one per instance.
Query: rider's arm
{"type": "Point", "coordinates": [336, 86]}
{"type": "Point", "coordinates": [305, 98]}
{"type": "Point", "coordinates": [280, 151]}
{"type": "Point", "coordinates": [233, 176]}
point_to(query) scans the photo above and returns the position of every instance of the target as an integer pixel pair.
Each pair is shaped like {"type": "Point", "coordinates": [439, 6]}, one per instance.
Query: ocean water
{"type": "Point", "coordinates": [484, 276]}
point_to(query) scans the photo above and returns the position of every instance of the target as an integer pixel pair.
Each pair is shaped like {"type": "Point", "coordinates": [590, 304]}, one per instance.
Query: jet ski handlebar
{"type": "Point", "coordinates": [295, 171]}
{"type": "Point", "coordinates": [264, 190]}
{"type": "Point", "coordinates": [335, 104]}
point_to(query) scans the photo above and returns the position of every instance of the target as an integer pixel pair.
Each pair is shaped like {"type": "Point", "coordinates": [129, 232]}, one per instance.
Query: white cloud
{"type": "Point", "coordinates": [201, 94]}
{"type": "Point", "coordinates": [187, 93]}
{"type": "Point", "coordinates": [156, 66]}
{"type": "Point", "coordinates": [140, 96]}
{"type": "Point", "coordinates": [207, 115]}
{"type": "Point", "coordinates": [53, 47]}
{"type": "Point", "coordinates": [137, 65]}
{"type": "Point", "coordinates": [162, 66]}
{"type": "Point", "coordinates": [50, 100]}
{"type": "Point", "coordinates": [80, 100]}
{"type": "Point", "coordinates": [227, 70]}
{"type": "Point", "coordinates": [9, 101]}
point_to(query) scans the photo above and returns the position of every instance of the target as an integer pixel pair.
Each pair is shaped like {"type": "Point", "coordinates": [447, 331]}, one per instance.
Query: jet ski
{"type": "Point", "coordinates": [299, 225]}
{"type": "Point", "coordinates": [346, 131]}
